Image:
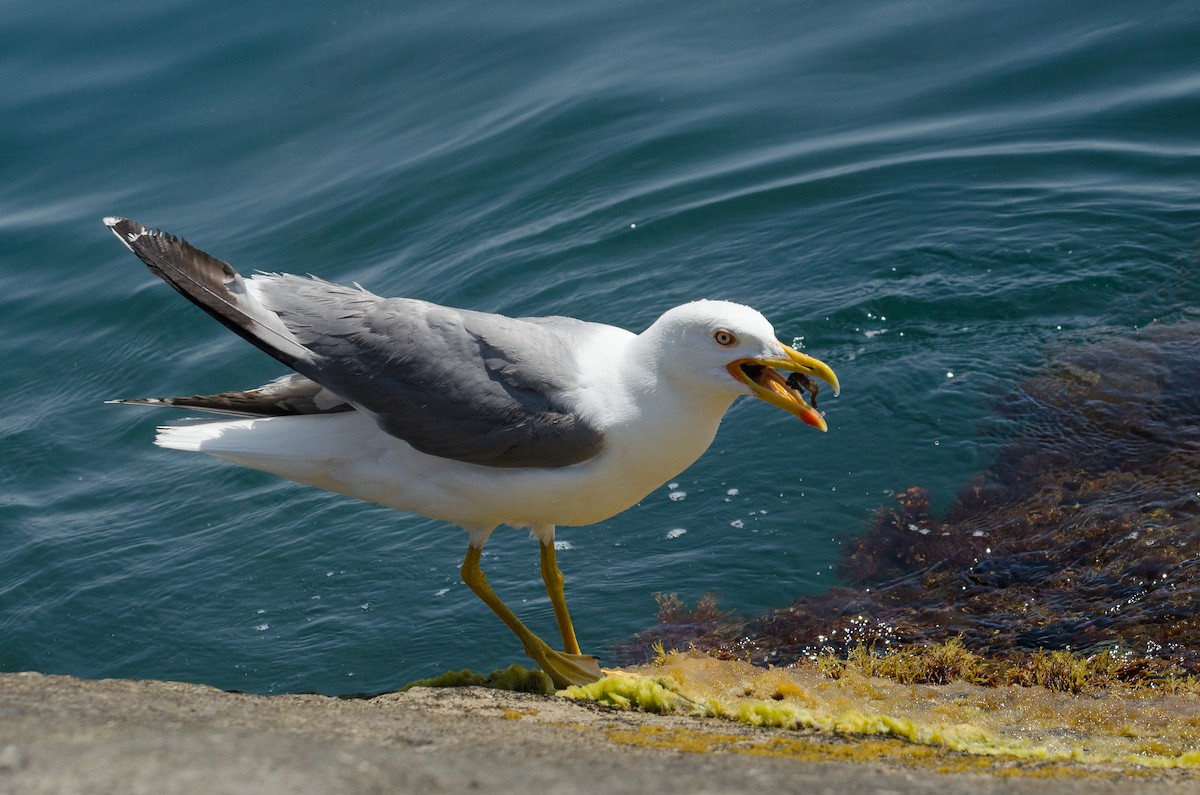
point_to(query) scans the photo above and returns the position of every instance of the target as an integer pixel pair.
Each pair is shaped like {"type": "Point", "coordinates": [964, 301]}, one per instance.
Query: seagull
{"type": "Point", "coordinates": [473, 418]}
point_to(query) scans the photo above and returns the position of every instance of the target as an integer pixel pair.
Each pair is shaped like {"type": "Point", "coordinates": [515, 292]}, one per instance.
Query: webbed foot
{"type": "Point", "coordinates": [566, 669]}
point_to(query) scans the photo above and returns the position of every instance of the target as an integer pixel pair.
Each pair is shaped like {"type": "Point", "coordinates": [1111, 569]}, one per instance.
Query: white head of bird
{"type": "Point", "coordinates": [725, 350]}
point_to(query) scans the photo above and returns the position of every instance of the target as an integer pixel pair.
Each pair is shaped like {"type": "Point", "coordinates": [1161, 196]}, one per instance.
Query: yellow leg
{"type": "Point", "coordinates": [565, 669]}
{"type": "Point", "coordinates": [553, 577]}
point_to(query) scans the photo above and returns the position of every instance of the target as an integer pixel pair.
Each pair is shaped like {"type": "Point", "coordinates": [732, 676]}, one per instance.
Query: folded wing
{"type": "Point", "coordinates": [471, 386]}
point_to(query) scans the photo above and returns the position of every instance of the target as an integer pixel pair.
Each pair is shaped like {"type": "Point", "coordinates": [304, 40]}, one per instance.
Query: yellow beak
{"type": "Point", "coordinates": [763, 378]}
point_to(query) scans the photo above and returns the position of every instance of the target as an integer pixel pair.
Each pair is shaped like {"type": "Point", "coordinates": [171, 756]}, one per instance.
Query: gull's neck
{"type": "Point", "coordinates": [656, 421]}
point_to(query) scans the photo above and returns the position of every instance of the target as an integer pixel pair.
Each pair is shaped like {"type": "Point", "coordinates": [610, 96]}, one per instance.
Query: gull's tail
{"type": "Point", "coordinates": [320, 450]}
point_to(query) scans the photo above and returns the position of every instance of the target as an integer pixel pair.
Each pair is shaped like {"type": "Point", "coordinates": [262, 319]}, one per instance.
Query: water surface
{"type": "Point", "coordinates": [927, 195]}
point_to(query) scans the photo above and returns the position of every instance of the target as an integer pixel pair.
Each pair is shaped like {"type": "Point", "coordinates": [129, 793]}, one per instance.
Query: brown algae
{"type": "Point", "coordinates": [1083, 536]}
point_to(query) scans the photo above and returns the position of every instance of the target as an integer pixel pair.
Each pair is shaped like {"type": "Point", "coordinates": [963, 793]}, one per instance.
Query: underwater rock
{"type": "Point", "coordinates": [1084, 535]}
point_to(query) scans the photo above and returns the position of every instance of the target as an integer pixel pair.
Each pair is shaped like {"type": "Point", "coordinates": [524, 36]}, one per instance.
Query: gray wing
{"type": "Point", "coordinates": [470, 386]}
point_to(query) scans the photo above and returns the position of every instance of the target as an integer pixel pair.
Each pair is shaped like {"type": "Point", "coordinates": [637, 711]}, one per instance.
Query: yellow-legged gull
{"type": "Point", "coordinates": [473, 418]}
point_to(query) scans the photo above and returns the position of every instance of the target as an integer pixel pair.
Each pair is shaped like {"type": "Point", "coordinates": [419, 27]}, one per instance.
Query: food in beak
{"type": "Point", "coordinates": [768, 384]}
{"type": "Point", "coordinates": [800, 381]}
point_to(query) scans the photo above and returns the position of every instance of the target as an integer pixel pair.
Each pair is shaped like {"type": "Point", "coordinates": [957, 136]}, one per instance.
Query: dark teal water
{"type": "Point", "coordinates": [932, 195]}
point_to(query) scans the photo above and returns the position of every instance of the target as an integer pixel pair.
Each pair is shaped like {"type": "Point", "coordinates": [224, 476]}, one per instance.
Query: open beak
{"type": "Point", "coordinates": [764, 380]}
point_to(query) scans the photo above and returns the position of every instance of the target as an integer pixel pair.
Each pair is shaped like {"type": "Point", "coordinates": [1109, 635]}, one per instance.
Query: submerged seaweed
{"type": "Point", "coordinates": [1084, 535]}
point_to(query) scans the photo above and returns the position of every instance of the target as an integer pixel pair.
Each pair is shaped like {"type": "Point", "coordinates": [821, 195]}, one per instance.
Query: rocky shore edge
{"type": "Point", "coordinates": [60, 734]}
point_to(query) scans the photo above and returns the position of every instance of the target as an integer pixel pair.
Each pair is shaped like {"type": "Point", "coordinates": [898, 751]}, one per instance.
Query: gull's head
{"type": "Point", "coordinates": [728, 347]}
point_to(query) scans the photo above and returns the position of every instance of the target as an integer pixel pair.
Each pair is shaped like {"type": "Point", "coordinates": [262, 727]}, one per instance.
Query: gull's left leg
{"type": "Point", "coordinates": [553, 577]}
{"type": "Point", "coordinates": [564, 668]}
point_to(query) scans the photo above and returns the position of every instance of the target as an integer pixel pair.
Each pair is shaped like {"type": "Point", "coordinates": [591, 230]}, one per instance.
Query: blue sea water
{"type": "Point", "coordinates": [929, 196]}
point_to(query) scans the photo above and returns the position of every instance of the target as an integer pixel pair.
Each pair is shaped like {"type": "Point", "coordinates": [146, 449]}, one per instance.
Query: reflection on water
{"type": "Point", "coordinates": [1084, 534]}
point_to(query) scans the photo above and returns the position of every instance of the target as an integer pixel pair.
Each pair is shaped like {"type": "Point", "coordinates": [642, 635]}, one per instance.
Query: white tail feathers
{"type": "Point", "coordinates": [324, 450]}
{"type": "Point", "coordinates": [300, 440]}
{"type": "Point", "coordinates": [191, 436]}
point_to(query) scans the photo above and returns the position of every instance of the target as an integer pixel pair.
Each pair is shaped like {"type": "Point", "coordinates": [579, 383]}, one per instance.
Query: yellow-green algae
{"type": "Point", "coordinates": [1015, 723]}
{"type": "Point", "coordinates": [515, 677]}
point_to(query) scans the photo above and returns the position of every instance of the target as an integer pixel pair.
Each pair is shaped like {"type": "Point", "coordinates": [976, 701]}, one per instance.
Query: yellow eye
{"type": "Point", "coordinates": [724, 338]}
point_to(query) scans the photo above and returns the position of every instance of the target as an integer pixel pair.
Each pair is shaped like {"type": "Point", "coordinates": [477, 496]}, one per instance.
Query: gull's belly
{"type": "Point", "coordinates": [479, 496]}
{"type": "Point", "coordinates": [348, 454]}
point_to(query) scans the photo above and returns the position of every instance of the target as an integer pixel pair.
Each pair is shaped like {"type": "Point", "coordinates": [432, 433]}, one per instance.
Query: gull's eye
{"type": "Point", "coordinates": [724, 338]}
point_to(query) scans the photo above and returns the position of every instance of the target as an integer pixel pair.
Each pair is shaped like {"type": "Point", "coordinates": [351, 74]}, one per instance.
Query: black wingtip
{"type": "Point", "coordinates": [205, 281]}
